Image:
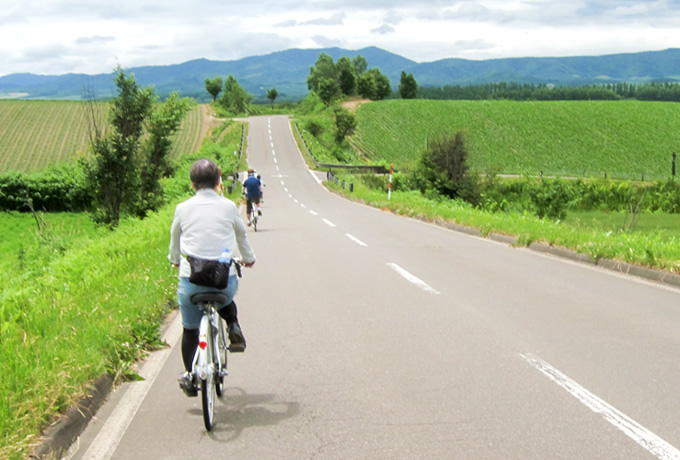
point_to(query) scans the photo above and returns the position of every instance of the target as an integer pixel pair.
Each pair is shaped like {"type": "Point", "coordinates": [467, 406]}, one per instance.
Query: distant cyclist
{"type": "Point", "coordinates": [252, 188]}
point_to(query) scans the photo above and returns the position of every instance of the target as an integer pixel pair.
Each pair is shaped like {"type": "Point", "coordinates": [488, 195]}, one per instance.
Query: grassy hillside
{"type": "Point", "coordinates": [624, 139]}
{"type": "Point", "coordinates": [37, 133]}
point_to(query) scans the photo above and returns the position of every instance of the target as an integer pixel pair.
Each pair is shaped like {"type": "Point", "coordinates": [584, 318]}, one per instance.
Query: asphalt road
{"type": "Point", "coordinates": [376, 336]}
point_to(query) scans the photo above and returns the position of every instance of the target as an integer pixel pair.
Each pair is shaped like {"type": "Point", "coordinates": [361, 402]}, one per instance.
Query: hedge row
{"type": "Point", "coordinates": [58, 188]}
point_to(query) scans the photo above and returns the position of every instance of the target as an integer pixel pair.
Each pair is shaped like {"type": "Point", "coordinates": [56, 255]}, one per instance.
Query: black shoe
{"type": "Point", "coordinates": [186, 383]}
{"type": "Point", "coordinates": [236, 339]}
{"type": "Point", "coordinates": [259, 212]}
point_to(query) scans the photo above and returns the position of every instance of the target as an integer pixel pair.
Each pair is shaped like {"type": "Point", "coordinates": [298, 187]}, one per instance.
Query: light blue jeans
{"type": "Point", "coordinates": [191, 314]}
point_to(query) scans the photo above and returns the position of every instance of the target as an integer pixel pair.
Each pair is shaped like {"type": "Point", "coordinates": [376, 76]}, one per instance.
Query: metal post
{"type": "Point", "coordinates": [389, 187]}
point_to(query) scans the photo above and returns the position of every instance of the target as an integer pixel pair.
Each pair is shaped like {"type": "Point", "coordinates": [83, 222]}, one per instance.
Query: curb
{"type": "Point", "coordinates": [61, 435]}
{"type": "Point", "coordinates": [64, 432]}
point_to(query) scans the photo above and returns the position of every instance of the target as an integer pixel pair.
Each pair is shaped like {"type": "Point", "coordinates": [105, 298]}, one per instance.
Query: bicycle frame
{"type": "Point", "coordinates": [204, 362]}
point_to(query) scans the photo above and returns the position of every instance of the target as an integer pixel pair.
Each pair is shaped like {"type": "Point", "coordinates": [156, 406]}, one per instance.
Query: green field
{"type": "Point", "coordinates": [624, 139]}
{"type": "Point", "coordinates": [35, 134]}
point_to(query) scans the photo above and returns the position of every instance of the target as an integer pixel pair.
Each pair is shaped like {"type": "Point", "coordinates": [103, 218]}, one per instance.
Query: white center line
{"type": "Point", "coordinates": [314, 213]}
{"type": "Point", "coordinates": [412, 278]}
{"type": "Point", "coordinates": [650, 441]}
{"type": "Point", "coordinates": [285, 189]}
{"type": "Point", "coordinates": [303, 205]}
{"type": "Point", "coordinates": [356, 240]}
{"type": "Point", "coordinates": [272, 145]}
{"type": "Point", "coordinates": [328, 222]}
{"type": "Point", "coordinates": [282, 183]}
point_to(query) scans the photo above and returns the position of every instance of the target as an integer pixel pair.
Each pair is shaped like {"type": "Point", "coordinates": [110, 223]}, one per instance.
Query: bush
{"type": "Point", "coordinates": [60, 187]}
{"type": "Point", "coordinates": [443, 169]}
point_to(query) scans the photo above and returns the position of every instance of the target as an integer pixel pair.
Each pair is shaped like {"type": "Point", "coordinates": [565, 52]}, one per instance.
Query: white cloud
{"type": "Point", "coordinates": [57, 36]}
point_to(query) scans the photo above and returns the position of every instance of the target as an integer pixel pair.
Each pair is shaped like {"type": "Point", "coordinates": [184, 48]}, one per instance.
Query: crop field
{"type": "Point", "coordinates": [623, 139]}
{"type": "Point", "coordinates": [34, 134]}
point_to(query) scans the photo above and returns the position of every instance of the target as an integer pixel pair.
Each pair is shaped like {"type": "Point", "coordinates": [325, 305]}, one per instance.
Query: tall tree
{"type": "Point", "coordinates": [360, 65]}
{"type": "Point", "coordinates": [214, 87]}
{"type": "Point", "coordinates": [328, 90]}
{"type": "Point", "coordinates": [382, 84]}
{"type": "Point", "coordinates": [111, 173]}
{"type": "Point", "coordinates": [163, 122]}
{"type": "Point", "coordinates": [408, 88]}
{"type": "Point", "coordinates": [114, 172]}
{"type": "Point", "coordinates": [366, 86]}
{"type": "Point", "coordinates": [272, 94]}
{"type": "Point", "coordinates": [346, 76]}
{"type": "Point", "coordinates": [235, 99]}
{"type": "Point", "coordinates": [324, 69]}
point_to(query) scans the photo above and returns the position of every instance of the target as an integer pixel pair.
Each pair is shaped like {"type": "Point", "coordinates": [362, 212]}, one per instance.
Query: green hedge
{"type": "Point", "coordinates": [58, 188]}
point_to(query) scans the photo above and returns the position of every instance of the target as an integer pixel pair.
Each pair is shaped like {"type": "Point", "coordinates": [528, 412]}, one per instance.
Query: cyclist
{"type": "Point", "coordinates": [203, 226]}
{"type": "Point", "coordinates": [252, 188]}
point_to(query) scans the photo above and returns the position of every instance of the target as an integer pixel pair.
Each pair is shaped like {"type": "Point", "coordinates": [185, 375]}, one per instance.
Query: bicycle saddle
{"type": "Point", "coordinates": [209, 297]}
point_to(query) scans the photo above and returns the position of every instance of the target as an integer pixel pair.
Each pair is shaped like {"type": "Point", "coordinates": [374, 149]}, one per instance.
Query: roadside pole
{"type": "Point", "coordinates": [389, 187]}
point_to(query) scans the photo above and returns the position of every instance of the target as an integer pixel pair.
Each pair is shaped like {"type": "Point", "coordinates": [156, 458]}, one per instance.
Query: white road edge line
{"type": "Point", "coordinates": [645, 438]}
{"type": "Point", "coordinates": [105, 443]}
{"type": "Point", "coordinates": [413, 279]}
{"type": "Point", "coordinates": [328, 222]}
{"type": "Point", "coordinates": [356, 240]}
{"type": "Point", "coordinates": [314, 176]}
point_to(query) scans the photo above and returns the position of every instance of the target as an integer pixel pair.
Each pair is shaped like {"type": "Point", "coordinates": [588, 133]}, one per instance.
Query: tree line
{"type": "Point", "coordinates": [656, 91]}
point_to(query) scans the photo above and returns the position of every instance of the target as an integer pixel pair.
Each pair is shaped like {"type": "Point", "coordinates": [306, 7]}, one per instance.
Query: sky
{"type": "Point", "coordinates": [54, 37]}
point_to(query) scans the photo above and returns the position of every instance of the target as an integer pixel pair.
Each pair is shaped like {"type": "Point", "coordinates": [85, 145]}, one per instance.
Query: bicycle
{"type": "Point", "coordinates": [253, 214]}
{"type": "Point", "coordinates": [210, 361]}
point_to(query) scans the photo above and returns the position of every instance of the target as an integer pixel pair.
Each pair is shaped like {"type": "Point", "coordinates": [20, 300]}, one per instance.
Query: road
{"type": "Point", "coordinates": [377, 336]}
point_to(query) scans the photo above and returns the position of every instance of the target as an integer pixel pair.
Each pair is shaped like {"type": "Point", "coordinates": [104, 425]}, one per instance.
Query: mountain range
{"type": "Point", "coordinates": [287, 71]}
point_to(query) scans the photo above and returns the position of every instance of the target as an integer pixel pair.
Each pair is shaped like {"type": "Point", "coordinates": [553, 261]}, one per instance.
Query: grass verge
{"type": "Point", "coordinates": [656, 248]}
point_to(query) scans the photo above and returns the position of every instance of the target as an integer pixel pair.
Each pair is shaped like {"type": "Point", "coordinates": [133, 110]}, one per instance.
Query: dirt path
{"type": "Point", "coordinates": [209, 121]}
{"type": "Point", "coordinates": [352, 105]}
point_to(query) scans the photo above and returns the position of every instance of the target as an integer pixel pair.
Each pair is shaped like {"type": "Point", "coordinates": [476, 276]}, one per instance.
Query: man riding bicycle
{"type": "Point", "coordinates": [252, 188]}
{"type": "Point", "coordinates": [203, 226]}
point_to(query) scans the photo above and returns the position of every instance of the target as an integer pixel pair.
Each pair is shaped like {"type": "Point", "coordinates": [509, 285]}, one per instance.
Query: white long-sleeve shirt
{"type": "Point", "coordinates": [203, 226]}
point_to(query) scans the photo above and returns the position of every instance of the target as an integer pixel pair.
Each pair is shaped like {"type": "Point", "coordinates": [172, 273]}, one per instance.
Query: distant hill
{"type": "Point", "coordinates": [287, 71]}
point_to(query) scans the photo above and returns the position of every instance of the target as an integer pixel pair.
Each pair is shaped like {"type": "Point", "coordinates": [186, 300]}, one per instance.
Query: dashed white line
{"type": "Point", "coordinates": [285, 189]}
{"type": "Point", "coordinates": [314, 213]}
{"type": "Point", "coordinates": [303, 205]}
{"type": "Point", "coordinates": [412, 278]}
{"type": "Point", "coordinates": [641, 435]}
{"type": "Point", "coordinates": [356, 240]}
{"type": "Point", "coordinates": [282, 183]}
{"type": "Point", "coordinates": [328, 222]}
{"type": "Point", "coordinates": [295, 199]}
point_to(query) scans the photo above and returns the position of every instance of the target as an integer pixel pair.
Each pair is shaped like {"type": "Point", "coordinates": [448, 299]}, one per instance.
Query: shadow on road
{"type": "Point", "coordinates": [238, 411]}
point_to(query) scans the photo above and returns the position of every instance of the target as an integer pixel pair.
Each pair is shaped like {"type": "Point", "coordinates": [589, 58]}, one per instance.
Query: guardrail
{"type": "Point", "coordinates": [330, 167]}
{"type": "Point", "coordinates": [341, 182]}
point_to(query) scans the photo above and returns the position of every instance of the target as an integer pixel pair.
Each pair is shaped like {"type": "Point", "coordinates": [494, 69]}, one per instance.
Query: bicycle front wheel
{"type": "Point", "coordinates": [221, 344]}
{"type": "Point", "coordinates": [208, 401]}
